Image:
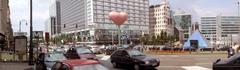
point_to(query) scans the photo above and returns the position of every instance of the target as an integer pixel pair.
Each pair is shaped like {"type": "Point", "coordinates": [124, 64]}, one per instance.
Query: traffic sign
{"type": "Point", "coordinates": [38, 34]}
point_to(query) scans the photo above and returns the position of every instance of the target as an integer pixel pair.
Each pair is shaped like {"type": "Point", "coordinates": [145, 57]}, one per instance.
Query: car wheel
{"type": "Point", "coordinates": [136, 67]}
{"type": "Point", "coordinates": [115, 65]}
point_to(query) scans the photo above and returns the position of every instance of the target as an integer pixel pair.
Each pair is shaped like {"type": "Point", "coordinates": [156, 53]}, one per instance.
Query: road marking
{"type": "Point", "coordinates": [105, 58]}
{"type": "Point", "coordinates": [194, 68]}
{"type": "Point", "coordinates": [169, 66]}
{"type": "Point", "coordinates": [203, 63]}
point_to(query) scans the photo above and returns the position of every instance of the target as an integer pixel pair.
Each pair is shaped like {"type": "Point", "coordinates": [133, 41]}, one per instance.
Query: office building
{"type": "Point", "coordinates": [182, 21]}
{"type": "Point", "coordinates": [221, 29]}
{"type": "Point", "coordinates": [5, 23]}
{"type": "Point", "coordinates": [55, 18]}
{"type": "Point", "coordinates": [48, 27]}
{"type": "Point", "coordinates": [88, 19]}
{"type": "Point", "coordinates": [160, 19]}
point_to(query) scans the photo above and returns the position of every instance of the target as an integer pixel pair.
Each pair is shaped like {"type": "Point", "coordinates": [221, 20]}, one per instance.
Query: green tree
{"type": "Point", "coordinates": [158, 41]}
{"type": "Point", "coordinates": [153, 40]}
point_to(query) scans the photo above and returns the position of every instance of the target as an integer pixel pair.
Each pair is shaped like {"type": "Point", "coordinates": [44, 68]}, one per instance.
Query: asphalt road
{"type": "Point", "coordinates": [168, 62]}
{"type": "Point", "coordinates": [176, 62]}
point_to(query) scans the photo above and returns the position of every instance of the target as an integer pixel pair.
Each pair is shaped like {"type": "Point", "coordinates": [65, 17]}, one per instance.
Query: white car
{"type": "Point", "coordinates": [94, 48]}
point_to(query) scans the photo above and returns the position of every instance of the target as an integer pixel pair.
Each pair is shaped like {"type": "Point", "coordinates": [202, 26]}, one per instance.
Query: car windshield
{"type": "Point", "coordinates": [55, 57]}
{"type": "Point", "coordinates": [83, 51]}
{"type": "Point", "coordinates": [234, 57]}
{"type": "Point", "coordinates": [90, 67]}
{"type": "Point", "coordinates": [135, 53]}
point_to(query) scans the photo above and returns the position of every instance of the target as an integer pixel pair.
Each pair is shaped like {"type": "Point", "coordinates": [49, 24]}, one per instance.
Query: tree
{"type": "Point", "coordinates": [158, 41]}
{"type": "Point", "coordinates": [153, 40]}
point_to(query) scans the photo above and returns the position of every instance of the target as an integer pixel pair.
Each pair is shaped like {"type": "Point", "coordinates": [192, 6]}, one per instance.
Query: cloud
{"type": "Point", "coordinates": [20, 10]}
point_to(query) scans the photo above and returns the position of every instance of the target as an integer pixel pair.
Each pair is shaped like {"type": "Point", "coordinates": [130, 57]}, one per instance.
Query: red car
{"type": "Point", "coordinates": [80, 53]}
{"type": "Point", "coordinates": [78, 64]}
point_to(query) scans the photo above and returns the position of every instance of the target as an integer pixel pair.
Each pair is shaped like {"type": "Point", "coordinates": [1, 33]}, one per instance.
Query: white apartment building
{"type": "Point", "coordinates": [160, 19]}
{"type": "Point", "coordinates": [221, 29]}
{"type": "Point", "coordinates": [89, 19]}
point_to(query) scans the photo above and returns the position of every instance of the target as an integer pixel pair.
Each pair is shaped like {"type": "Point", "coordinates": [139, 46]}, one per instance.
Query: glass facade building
{"type": "Point", "coordinates": [183, 22]}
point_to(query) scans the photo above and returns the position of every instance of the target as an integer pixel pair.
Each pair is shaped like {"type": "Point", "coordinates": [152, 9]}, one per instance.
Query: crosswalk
{"type": "Point", "coordinates": [104, 57]}
{"type": "Point", "coordinates": [195, 68]}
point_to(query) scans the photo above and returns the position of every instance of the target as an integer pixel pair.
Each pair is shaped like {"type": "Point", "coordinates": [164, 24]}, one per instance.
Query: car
{"type": "Point", "coordinates": [110, 49]}
{"type": "Point", "coordinates": [133, 58]}
{"type": "Point", "coordinates": [94, 48]}
{"type": "Point", "coordinates": [78, 64]}
{"type": "Point", "coordinates": [80, 52]}
{"type": "Point", "coordinates": [59, 50]}
{"type": "Point", "coordinates": [124, 46]}
{"type": "Point", "coordinates": [232, 63]}
{"type": "Point", "coordinates": [46, 60]}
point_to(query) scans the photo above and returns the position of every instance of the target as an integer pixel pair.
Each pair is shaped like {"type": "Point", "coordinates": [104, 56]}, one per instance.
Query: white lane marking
{"type": "Point", "coordinates": [169, 66]}
{"type": "Point", "coordinates": [194, 68]}
{"type": "Point", "coordinates": [203, 63]}
{"type": "Point", "coordinates": [105, 58]}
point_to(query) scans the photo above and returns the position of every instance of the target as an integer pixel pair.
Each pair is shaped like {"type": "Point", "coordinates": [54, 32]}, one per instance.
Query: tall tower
{"type": "Point", "coordinates": [5, 23]}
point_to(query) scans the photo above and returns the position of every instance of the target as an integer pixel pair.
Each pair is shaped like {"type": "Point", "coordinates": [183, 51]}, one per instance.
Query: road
{"type": "Point", "coordinates": [176, 62]}
{"type": "Point", "coordinates": [168, 62]}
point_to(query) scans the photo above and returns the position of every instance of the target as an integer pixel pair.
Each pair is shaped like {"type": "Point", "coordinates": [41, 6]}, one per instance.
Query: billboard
{"type": "Point", "coordinates": [20, 43]}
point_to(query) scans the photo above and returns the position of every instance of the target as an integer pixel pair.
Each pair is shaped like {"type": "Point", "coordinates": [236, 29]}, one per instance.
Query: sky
{"type": "Point", "coordinates": [197, 8]}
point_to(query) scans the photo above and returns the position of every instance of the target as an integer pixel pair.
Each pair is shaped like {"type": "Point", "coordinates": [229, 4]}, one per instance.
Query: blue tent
{"type": "Point", "coordinates": [202, 41]}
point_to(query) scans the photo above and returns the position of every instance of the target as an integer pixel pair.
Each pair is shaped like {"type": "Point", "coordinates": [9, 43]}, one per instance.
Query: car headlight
{"type": "Point", "coordinates": [146, 62]}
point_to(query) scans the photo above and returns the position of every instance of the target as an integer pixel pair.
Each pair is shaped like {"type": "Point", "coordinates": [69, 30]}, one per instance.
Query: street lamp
{"type": "Point", "coordinates": [20, 23]}
{"type": "Point", "coordinates": [238, 2]}
{"type": "Point", "coordinates": [31, 37]}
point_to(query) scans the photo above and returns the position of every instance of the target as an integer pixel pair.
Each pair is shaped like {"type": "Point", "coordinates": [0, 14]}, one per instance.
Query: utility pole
{"type": "Point", "coordinates": [31, 37]}
{"type": "Point", "coordinates": [238, 6]}
{"type": "Point", "coordinates": [112, 38]}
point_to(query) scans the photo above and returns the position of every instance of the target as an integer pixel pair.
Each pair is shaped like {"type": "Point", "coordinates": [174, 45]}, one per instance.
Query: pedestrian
{"type": "Point", "coordinates": [231, 52]}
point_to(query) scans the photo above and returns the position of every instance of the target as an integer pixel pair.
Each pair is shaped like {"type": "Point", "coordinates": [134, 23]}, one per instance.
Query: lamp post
{"type": "Point", "coordinates": [31, 37]}
{"type": "Point", "coordinates": [238, 2]}
{"type": "Point", "coordinates": [20, 23]}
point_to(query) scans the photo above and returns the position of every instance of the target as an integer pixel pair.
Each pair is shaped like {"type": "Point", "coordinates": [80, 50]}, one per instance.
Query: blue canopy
{"type": "Point", "coordinates": [202, 42]}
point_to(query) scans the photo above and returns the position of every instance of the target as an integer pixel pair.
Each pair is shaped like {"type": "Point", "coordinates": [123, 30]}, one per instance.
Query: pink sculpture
{"type": "Point", "coordinates": [118, 17]}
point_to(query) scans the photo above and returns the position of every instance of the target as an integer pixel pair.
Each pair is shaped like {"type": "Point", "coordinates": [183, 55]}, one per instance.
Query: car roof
{"type": "Point", "coordinates": [79, 62]}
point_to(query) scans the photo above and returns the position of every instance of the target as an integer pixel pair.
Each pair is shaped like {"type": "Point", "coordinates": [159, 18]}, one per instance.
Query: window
{"type": "Point", "coordinates": [64, 26]}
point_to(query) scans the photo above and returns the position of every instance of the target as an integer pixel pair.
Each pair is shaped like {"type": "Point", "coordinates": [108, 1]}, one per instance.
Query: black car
{"type": "Point", "coordinates": [232, 63]}
{"type": "Point", "coordinates": [80, 53]}
{"type": "Point", "coordinates": [133, 58]}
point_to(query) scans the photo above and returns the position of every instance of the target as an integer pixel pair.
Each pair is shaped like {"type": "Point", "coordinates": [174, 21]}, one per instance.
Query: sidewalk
{"type": "Point", "coordinates": [15, 66]}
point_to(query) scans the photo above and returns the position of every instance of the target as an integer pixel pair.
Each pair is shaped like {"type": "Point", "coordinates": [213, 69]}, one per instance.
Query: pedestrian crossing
{"type": "Point", "coordinates": [195, 68]}
{"type": "Point", "coordinates": [103, 57]}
